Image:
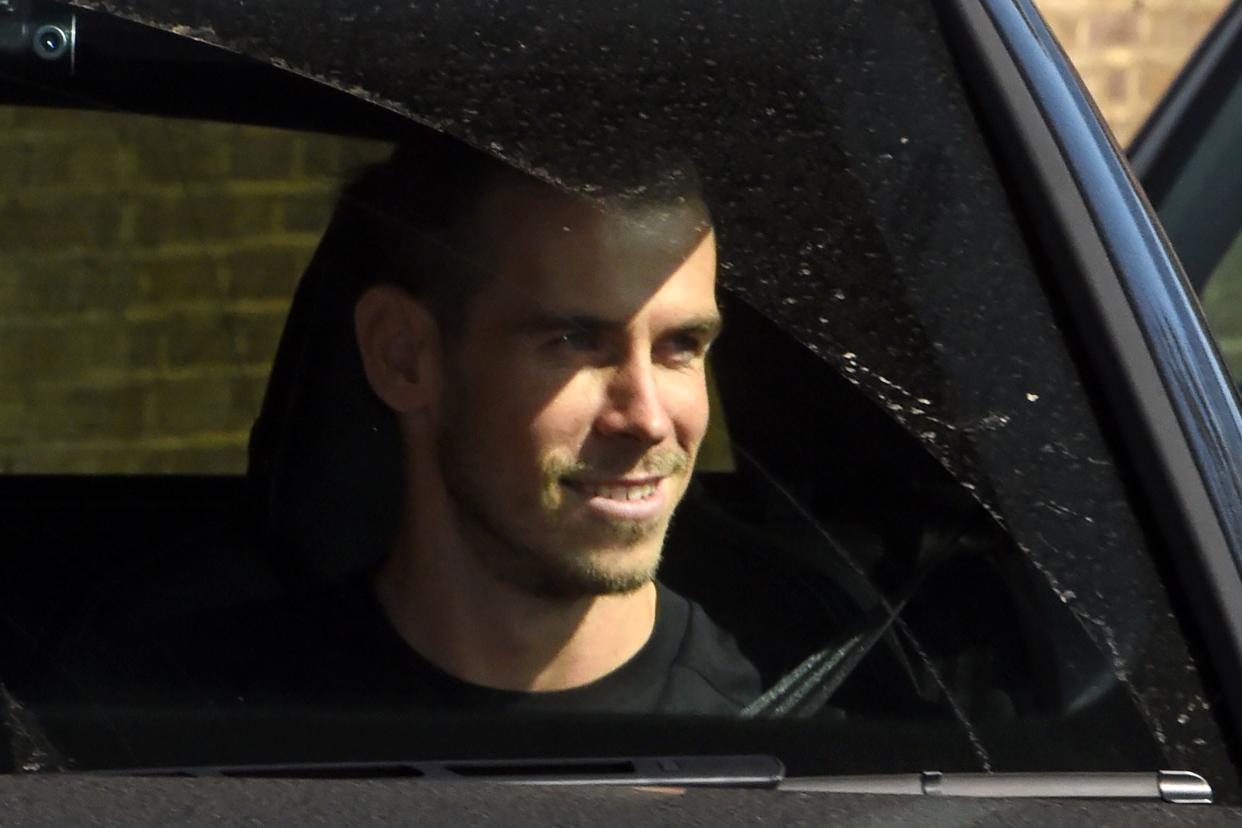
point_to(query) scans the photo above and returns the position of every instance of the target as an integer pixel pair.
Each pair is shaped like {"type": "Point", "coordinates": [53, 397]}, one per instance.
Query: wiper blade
{"type": "Point", "coordinates": [1183, 787]}
{"type": "Point", "coordinates": [674, 771]}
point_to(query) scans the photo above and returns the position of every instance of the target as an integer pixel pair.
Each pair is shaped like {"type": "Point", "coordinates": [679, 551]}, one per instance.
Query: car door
{"type": "Point", "coordinates": [970, 502]}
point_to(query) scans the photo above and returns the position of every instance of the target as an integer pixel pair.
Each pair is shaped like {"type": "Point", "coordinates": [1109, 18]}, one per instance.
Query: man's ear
{"type": "Point", "coordinates": [400, 345]}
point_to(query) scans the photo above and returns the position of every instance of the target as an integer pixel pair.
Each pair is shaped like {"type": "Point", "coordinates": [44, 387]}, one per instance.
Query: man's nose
{"type": "Point", "coordinates": [634, 406]}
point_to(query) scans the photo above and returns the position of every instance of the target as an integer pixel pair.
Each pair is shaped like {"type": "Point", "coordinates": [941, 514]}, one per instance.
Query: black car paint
{"type": "Point", "coordinates": [79, 801]}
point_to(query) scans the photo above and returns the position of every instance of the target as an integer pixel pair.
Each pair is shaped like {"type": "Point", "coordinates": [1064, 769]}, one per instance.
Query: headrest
{"type": "Point", "coordinates": [324, 475]}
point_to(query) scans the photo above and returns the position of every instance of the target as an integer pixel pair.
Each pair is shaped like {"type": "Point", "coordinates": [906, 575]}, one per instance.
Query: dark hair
{"type": "Point", "coordinates": [400, 221]}
{"type": "Point", "coordinates": [405, 220]}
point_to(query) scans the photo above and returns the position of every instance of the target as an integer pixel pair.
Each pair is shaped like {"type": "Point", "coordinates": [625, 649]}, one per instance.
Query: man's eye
{"type": "Point", "coordinates": [683, 348]}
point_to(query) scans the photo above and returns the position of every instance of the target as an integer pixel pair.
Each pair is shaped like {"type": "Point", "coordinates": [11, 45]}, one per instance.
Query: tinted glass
{"type": "Point", "coordinates": [148, 267]}
{"type": "Point", "coordinates": [905, 512]}
{"type": "Point", "coordinates": [1203, 214]}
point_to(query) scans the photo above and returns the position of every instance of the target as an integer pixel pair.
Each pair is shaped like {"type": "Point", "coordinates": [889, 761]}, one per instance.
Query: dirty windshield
{"type": "Point", "coordinates": [546, 380]}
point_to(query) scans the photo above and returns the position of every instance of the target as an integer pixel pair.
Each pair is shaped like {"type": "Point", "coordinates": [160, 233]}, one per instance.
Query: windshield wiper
{"type": "Point", "coordinates": [1182, 787]}
{"type": "Point", "coordinates": [745, 771]}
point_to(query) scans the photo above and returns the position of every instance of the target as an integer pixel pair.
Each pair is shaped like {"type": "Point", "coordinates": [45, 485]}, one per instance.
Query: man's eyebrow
{"type": "Point", "coordinates": [570, 322]}
{"type": "Point", "coordinates": [707, 325]}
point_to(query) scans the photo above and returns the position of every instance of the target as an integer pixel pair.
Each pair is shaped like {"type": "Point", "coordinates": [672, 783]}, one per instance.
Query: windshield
{"type": "Point", "coordinates": [577, 373]}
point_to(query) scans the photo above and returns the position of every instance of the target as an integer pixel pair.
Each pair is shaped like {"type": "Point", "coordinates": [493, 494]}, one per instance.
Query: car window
{"type": "Point", "coordinates": [908, 514]}
{"type": "Point", "coordinates": [1220, 303]}
{"type": "Point", "coordinates": [148, 268]}
{"type": "Point", "coordinates": [1205, 220]}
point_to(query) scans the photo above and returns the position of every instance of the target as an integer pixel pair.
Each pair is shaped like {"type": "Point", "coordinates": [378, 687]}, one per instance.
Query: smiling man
{"type": "Point", "coordinates": [540, 358]}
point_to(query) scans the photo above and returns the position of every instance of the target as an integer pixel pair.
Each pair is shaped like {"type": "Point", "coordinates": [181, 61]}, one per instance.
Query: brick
{"type": "Point", "coordinates": [1182, 28]}
{"type": "Point", "coordinates": [225, 460]}
{"type": "Point", "coordinates": [146, 345]}
{"type": "Point", "coordinates": [10, 288]}
{"type": "Point", "coordinates": [97, 164]}
{"type": "Point", "coordinates": [33, 222]}
{"type": "Point", "coordinates": [257, 336]}
{"type": "Point", "coordinates": [29, 354]}
{"type": "Point", "coordinates": [191, 155]}
{"type": "Point", "coordinates": [1111, 28]}
{"type": "Point", "coordinates": [74, 353]}
{"type": "Point", "coordinates": [14, 168]}
{"type": "Point", "coordinates": [263, 154]}
{"type": "Point", "coordinates": [247, 394]}
{"type": "Point", "coordinates": [267, 272]}
{"type": "Point", "coordinates": [201, 340]}
{"type": "Point", "coordinates": [1124, 128]}
{"type": "Point", "coordinates": [306, 213]}
{"type": "Point", "coordinates": [194, 406]}
{"type": "Point", "coordinates": [1107, 36]}
{"type": "Point", "coordinates": [73, 285]}
{"type": "Point", "coordinates": [221, 340]}
{"type": "Point", "coordinates": [118, 459]}
{"type": "Point", "coordinates": [1154, 80]}
{"type": "Point", "coordinates": [1116, 87]}
{"type": "Point", "coordinates": [203, 219]}
{"type": "Point", "coordinates": [194, 276]}
{"type": "Point", "coordinates": [25, 354]}
{"type": "Point", "coordinates": [13, 422]}
{"type": "Point", "coordinates": [87, 413]}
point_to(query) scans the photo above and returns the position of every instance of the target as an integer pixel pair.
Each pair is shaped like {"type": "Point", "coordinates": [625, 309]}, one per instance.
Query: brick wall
{"type": "Point", "coordinates": [1129, 51]}
{"type": "Point", "coordinates": [147, 268]}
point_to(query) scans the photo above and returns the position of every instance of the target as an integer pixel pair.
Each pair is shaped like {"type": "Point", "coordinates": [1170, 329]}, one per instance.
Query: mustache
{"type": "Point", "coordinates": [663, 462]}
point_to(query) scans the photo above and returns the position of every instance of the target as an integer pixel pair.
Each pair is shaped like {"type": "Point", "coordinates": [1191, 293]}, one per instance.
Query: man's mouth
{"type": "Point", "coordinates": [617, 490]}
{"type": "Point", "coordinates": [621, 499]}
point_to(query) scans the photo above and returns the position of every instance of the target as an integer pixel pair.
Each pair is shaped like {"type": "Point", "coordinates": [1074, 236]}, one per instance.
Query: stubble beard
{"type": "Point", "coordinates": [561, 565]}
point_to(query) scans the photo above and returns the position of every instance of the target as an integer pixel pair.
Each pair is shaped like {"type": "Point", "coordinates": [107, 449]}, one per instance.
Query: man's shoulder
{"type": "Point", "coordinates": [710, 674]}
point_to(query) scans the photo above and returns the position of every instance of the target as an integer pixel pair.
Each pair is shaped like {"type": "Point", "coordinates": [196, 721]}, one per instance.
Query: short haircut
{"type": "Point", "coordinates": [396, 222]}
{"type": "Point", "coordinates": [405, 220]}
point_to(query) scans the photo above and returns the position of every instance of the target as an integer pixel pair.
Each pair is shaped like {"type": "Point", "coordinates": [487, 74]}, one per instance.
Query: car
{"type": "Point", "coordinates": [968, 499]}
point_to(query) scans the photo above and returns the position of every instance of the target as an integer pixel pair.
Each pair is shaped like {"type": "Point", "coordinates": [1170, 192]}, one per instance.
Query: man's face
{"type": "Point", "coordinates": [576, 396]}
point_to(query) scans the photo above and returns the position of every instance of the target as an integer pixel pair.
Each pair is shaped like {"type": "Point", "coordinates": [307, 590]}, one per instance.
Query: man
{"type": "Point", "coordinates": [541, 358]}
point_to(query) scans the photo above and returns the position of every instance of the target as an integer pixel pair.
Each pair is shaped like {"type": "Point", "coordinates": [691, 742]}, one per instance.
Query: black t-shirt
{"type": "Point", "coordinates": [337, 648]}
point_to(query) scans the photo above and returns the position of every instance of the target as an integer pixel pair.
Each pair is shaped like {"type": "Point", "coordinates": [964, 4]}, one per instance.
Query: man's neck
{"type": "Point", "coordinates": [458, 615]}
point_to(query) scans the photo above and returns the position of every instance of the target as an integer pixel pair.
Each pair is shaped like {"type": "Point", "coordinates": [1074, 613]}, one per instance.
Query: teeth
{"type": "Point", "coordinates": [642, 492]}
